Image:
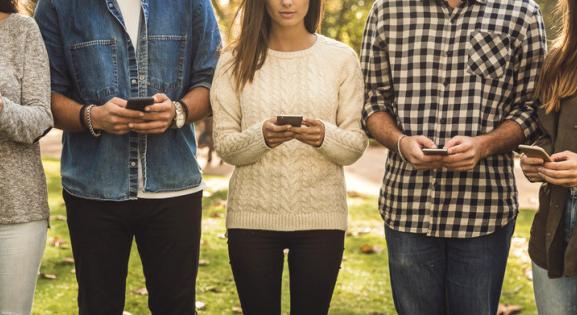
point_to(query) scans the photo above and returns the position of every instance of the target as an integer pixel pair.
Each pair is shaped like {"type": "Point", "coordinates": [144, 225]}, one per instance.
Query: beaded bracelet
{"type": "Point", "coordinates": [88, 117]}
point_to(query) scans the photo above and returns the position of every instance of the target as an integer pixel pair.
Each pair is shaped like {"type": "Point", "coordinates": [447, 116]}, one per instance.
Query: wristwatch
{"type": "Point", "coordinates": [180, 117]}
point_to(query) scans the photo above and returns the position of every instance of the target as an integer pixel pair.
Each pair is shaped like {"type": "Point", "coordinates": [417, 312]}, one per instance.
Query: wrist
{"type": "Point", "coordinates": [483, 146]}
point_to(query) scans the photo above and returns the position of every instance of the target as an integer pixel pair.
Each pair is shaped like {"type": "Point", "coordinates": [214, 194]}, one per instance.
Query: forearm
{"type": "Point", "coordinates": [501, 140]}
{"type": "Point", "coordinates": [24, 123]}
{"type": "Point", "coordinates": [384, 129]}
{"type": "Point", "coordinates": [197, 102]}
{"type": "Point", "coordinates": [66, 113]}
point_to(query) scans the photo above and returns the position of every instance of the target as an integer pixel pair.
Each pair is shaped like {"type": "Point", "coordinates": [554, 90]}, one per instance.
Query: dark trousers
{"type": "Point", "coordinates": [257, 261]}
{"type": "Point", "coordinates": [167, 233]}
{"type": "Point", "coordinates": [447, 276]}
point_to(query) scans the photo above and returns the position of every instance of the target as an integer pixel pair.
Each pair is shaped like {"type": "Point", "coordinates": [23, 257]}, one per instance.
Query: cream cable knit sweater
{"type": "Point", "coordinates": [293, 186]}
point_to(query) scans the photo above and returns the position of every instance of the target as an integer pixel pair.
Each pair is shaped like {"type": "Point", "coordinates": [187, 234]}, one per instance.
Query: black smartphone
{"type": "Point", "coordinates": [427, 151]}
{"type": "Point", "coordinates": [139, 103]}
{"type": "Point", "coordinates": [293, 120]}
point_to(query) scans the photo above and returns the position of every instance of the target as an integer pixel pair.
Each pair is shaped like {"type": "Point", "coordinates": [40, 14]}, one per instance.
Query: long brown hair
{"type": "Point", "coordinates": [558, 78]}
{"type": "Point", "coordinates": [250, 47]}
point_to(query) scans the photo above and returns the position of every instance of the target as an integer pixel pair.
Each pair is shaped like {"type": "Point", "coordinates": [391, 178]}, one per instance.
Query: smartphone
{"type": "Point", "coordinates": [533, 151]}
{"type": "Point", "coordinates": [138, 103]}
{"type": "Point", "coordinates": [427, 151]}
{"type": "Point", "coordinates": [293, 120]}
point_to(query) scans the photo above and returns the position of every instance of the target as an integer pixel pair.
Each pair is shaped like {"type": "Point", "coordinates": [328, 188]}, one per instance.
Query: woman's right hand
{"type": "Point", "coordinates": [530, 167]}
{"type": "Point", "coordinates": [275, 135]}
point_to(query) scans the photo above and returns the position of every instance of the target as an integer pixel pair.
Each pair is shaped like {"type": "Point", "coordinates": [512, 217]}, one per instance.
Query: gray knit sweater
{"type": "Point", "coordinates": [25, 117]}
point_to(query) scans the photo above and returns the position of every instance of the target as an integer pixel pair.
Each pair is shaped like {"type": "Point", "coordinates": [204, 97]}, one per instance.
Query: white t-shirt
{"type": "Point", "coordinates": [131, 12]}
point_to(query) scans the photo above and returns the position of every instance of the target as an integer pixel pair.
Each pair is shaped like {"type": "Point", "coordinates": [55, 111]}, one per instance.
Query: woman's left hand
{"type": "Point", "coordinates": [562, 171]}
{"type": "Point", "coordinates": [313, 132]}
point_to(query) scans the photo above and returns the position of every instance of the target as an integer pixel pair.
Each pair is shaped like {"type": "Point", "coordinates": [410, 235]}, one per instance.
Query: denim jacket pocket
{"type": "Point", "coordinates": [489, 54]}
{"type": "Point", "coordinates": [168, 51]}
{"type": "Point", "coordinates": [95, 70]}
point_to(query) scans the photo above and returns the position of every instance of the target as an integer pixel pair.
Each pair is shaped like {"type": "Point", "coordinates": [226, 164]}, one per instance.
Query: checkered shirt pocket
{"type": "Point", "coordinates": [489, 54]}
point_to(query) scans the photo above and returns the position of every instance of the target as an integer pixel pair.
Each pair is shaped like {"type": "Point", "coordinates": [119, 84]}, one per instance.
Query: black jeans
{"type": "Point", "coordinates": [167, 233]}
{"type": "Point", "coordinates": [257, 261]}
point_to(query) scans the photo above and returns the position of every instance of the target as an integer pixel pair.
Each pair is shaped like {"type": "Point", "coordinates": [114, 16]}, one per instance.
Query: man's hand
{"type": "Point", "coordinates": [157, 118]}
{"type": "Point", "coordinates": [113, 117]}
{"type": "Point", "coordinates": [530, 167]}
{"type": "Point", "coordinates": [275, 135]}
{"type": "Point", "coordinates": [562, 171]}
{"type": "Point", "coordinates": [412, 150]}
{"type": "Point", "coordinates": [464, 153]}
{"type": "Point", "coordinates": [313, 132]}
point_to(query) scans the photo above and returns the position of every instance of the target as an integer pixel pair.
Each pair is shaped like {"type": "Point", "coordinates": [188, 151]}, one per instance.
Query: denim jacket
{"type": "Point", "coordinates": [92, 60]}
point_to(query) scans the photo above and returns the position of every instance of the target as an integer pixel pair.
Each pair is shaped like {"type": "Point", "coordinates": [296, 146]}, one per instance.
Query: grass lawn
{"type": "Point", "coordinates": [363, 286]}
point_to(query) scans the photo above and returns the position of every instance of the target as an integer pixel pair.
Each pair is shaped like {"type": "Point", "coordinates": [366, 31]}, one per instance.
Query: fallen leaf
{"type": "Point", "coordinates": [59, 217]}
{"type": "Point", "coordinates": [214, 289]}
{"type": "Point", "coordinates": [56, 242]}
{"type": "Point", "coordinates": [237, 310]}
{"type": "Point", "coordinates": [216, 215]}
{"type": "Point", "coordinates": [141, 291]}
{"type": "Point", "coordinates": [505, 309]}
{"type": "Point", "coordinates": [203, 262]}
{"type": "Point", "coordinates": [67, 261]}
{"type": "Point", "coordinates": [48, 276]}
{"type": "Point", "coordinates": [370, 249]}
{"type": "Point", "coordinates": [221, 236]}
{"type": "Point", "coordinates": [201, 306]}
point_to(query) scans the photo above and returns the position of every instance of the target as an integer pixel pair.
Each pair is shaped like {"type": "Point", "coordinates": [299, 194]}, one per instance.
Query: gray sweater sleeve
{"type": "Point", "coordinates": [29, 121]}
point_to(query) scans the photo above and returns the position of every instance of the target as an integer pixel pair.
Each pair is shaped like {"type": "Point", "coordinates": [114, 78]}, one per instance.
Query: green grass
{"type": "Point", "coordinates": [363, 285]}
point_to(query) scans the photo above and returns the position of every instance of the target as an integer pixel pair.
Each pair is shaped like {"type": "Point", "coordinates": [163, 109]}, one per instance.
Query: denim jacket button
{"type": "Point", "coordinates": [133, 81]}
{"type": "Point", "coordinates": [133, 164]}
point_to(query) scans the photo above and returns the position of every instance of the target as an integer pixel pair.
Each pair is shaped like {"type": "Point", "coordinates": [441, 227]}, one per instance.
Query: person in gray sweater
{"type": "Point", "coordinates": [25, 117]}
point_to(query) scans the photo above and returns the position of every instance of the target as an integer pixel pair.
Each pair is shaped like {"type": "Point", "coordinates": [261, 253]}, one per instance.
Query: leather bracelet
{"type": "Point", "coordinates": [81, 116]}
{"type": "Point", "coordinates": [399, 148]}
{"type": "Point", "coordinates": [88, 117]}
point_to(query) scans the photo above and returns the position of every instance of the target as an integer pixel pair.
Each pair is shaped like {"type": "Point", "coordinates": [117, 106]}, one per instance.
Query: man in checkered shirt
{"type": "Point", "coordinates": [460, 76]}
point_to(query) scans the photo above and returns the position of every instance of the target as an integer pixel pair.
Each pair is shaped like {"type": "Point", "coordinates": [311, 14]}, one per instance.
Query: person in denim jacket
{"type": "Point", "coordinates": [553, 242]}
{"type": "Point", "coordinates": [129, 174]}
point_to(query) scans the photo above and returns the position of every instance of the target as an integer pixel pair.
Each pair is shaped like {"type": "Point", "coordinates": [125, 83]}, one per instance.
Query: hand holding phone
{"type": "Point", "coordinates": [275, 134]}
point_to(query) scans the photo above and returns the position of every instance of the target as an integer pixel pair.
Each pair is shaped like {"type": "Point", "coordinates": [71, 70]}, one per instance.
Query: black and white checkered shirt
{"type": "Point", "coordinates": [443, 73]}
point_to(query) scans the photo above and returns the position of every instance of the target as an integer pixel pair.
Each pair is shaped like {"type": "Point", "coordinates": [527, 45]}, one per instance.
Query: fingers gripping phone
{"type": "Point", "coordinates": [533, 151]}
{"type": "Point", "coordinates": [428, 151]}
{"type": "Point", "coordinates": [139, 103]}
{"type": "Point", "coordinates": [293, 120]}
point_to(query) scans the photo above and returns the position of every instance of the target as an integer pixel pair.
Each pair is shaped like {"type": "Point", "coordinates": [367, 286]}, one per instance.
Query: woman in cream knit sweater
{"type": "Point", "coordinates": [288, 189]}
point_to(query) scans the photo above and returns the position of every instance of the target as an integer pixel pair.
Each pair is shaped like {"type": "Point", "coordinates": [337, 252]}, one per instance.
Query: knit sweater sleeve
{"type": "Point", "coordinates": [28, 120]}
{"type": "Point", "coordinates": [235, 145]}
{"type": "Point", "coordinates": [345, 141]}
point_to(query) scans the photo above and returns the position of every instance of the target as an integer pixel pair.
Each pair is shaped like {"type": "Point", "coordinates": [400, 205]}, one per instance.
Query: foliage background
{"type": "Point", "coordinates": [344, 19]}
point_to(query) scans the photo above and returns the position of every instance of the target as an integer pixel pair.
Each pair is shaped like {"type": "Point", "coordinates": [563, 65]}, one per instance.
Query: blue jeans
{"type": "Point", "coordinates": [447, 276]}
{"type": "Point", "coordinates": [558, 296]}
{"type": "Point", "coordinates": [21, 249]}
